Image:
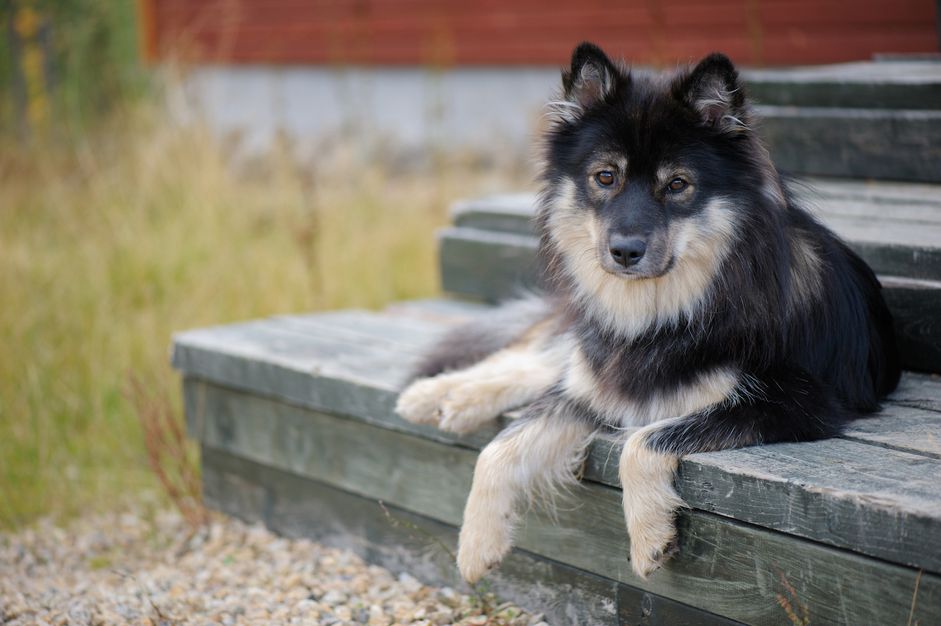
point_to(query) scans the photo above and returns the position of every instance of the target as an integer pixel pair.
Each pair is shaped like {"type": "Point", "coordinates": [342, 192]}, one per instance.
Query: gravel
{"type": "Point", "coordinates": [154, 570]}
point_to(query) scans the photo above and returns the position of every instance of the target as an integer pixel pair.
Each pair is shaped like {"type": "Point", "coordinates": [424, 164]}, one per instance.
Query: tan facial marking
{"type": "Point", "coordinates": [631, 306]}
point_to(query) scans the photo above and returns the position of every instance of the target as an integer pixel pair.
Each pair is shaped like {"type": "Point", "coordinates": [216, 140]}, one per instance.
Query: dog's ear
{"type": "Point", "coordinates": [591, 78]}
{"type": "Point", "coordinates": [714, 90]}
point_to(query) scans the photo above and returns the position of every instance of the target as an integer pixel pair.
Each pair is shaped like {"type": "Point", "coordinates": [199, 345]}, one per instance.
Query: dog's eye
{"type": "Point", "coordinates": [605, 178]}
{"type": "Point", "coordinates": [677, 185]}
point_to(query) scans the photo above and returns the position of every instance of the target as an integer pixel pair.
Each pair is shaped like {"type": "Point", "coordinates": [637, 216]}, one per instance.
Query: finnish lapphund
{"type": "Point", "coordinates": [692, 305]}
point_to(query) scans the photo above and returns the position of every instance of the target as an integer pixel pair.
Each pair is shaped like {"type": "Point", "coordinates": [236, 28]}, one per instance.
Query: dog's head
{"type": "Point", "coordinates": [644, 171]}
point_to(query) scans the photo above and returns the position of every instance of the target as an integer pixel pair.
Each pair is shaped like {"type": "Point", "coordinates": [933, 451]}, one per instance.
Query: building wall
{"type": "Point", "coordinates": [487, 111]}
{"type": "Point", "coordinates": [472, 75]}
{"type": "Point", "coordinates": [449, 33]}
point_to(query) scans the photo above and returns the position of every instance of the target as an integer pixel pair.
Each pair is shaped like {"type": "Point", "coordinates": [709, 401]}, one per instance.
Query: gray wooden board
{"type": "Point", "coordinates": [901, 427]}
{"type": "Point", "coordinates": [871, 193]}
{"type": "Point", "coordinates": [916, 309]}
{"type": "Point", "coordinates": [466, 255]}
{"type": "Point", "coordinates": [901, 259]}
{"type": "Point", "coordinates": [870, 499]}
{"type": "Point", "coordinates": [915, 304]}
{"type": "Point", "coordinates": [723, 566]}
{"type": "Point", "coordinates": [890, 85]}
{"type": "Point", "coordinates": [405, 542]}
{"type": "Point", "coordinates": [919, 391]}
{"type": "Point", "coordinates": [857, 143]}
{"type": "Point", "coordinates": [895, 227]}
{"type": "Point", "coordinates": [470, 263]}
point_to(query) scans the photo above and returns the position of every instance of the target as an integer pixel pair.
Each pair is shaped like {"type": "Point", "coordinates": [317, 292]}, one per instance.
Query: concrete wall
{"type": "Point", "coordinates": [481, 110]}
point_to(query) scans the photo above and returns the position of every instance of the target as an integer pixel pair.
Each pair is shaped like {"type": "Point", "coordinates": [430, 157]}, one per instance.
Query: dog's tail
{"type": "Point", "coordinates": [476, 340]}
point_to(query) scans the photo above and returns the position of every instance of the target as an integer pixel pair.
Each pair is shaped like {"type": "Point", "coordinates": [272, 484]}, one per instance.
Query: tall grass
{"type": "Point", "coordinates": [111, 243]}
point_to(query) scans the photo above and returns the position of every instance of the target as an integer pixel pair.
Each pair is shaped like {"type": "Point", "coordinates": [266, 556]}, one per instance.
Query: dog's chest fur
{"type": "Point", "coordinates": [636, 382]}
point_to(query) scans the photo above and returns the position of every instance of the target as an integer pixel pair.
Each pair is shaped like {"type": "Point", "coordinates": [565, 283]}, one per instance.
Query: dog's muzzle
{"type": "Point", "coordinates": [627, 251]}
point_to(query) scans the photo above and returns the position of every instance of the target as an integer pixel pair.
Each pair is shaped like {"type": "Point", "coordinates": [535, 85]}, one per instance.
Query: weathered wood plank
{"type": "Point", "coordinates": [857, 143]}
{"type": "Point", "coordinates": [405, 542]}
{"type": "Point", "coordinates": [884, 85]}
{"type": "Point", "coordinates": [904, 260]}
{"type": "Point", "coordinates": [916, 308]}
{"type": "Point", "coordinates": [880, 502]}
{"type": "Point", "coordinates": [912, 215]}
{"type": "Point", "coordinates": [311, 369]}
{"type": "Point", "coordinates": [406, 334]}
{"type": "Point", "coordinates": [492, 281]}
{"type": "Point", "coordinates": [902, 428]}
{"type": "Point", "coordinates": [922, 391]}
{"type": "Point", "coordinates": [724, 567]}
{"type": "Point", "coordinates": [642, 607]}
{"type": "Point", "coordinates": [840, 492]}
{"type": "Point", "coordinates": [511, 262]}
{"type": "Point", "coordinates": [873, 193]}
{"type": "Point", "coordinates": [915, 304]}
{"type": "Point", "coordinates": [438, 310]}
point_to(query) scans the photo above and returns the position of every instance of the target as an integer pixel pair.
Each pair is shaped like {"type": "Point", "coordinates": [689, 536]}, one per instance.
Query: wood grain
{"type": "Point", "coordinates": [724, 566]}
{"type": "Point", "coordinates": [857, 143]}
{"type": "Point", "coordinates": [862, 497]}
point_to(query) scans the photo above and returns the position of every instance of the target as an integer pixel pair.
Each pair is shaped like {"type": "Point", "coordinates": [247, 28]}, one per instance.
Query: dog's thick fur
{"type": "Point", "coordinates": [692, 304]}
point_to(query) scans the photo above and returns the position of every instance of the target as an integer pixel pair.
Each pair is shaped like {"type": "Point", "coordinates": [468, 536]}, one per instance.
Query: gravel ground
{"type": "Point", "coordinates": [129, 569]}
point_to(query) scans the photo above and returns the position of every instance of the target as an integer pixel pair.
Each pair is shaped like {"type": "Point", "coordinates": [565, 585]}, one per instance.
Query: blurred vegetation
{"type": "Point", "coordinates": [83, 53]}
{"type": "Point", "coordinates": [120, 226]}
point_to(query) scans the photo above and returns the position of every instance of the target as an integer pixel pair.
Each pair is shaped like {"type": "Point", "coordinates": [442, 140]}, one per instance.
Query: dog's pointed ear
{"type": "Point", "coordinates": [714, 90]}
{"type": "Point", "coordinates": [591, 78]}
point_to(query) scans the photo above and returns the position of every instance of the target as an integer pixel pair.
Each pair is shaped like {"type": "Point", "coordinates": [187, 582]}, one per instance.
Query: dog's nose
{"type": "Point", "coordinates": [626, 250]}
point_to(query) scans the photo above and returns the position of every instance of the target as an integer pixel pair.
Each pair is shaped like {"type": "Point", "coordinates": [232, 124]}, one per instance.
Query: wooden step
{"type": "Point", "coordinates": [878, 120]}
{"type": "Point", "coordinates": [846, 523]}
{"type": "Point", "coordinates": [490, 253]}
{"type": "Point", "coordinates": [884, 144]}
{"type": "Point", "coordinates": [870, 85]}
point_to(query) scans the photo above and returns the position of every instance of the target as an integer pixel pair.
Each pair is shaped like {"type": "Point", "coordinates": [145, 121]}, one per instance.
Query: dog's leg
{"type": "Point", "coordinates": [649, 499]}
{"type": "Point", "coordinates": [787, 405]}
{"type": "Point", "coordinates": [534, 454]}
{"type": "Point", "coordinates": [464, 400]}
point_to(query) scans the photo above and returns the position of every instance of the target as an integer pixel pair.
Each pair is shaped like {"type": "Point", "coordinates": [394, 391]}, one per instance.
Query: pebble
{"type": "Point", "coordinates": [154, 570]}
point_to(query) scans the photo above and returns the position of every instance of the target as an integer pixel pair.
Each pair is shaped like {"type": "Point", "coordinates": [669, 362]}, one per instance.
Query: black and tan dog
{"type": "Point", "coordinates": [693, 305]}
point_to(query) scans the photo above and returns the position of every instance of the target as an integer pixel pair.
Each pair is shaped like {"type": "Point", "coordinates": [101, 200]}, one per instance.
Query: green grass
{"type": "Point", "coordinates": [110, 244]}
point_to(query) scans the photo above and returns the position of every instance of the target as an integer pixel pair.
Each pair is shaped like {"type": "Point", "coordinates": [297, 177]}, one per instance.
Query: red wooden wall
{"type": "Point", "coordinates": [542, 32]}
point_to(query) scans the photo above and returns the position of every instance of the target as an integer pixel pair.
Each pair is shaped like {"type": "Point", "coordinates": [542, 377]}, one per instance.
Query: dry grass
{"type": "Point", "coordinates": [171, 457]}
{"type": "Point", "coordinates": [109, 245]}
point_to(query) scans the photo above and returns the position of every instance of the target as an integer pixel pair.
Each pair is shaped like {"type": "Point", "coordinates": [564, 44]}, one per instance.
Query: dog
{"type": "Point", "coordinates": [691, 304]}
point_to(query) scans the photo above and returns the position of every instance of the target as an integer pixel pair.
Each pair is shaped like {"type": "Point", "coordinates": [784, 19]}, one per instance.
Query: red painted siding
{"type": "Point", "coordinates": [494, 32]}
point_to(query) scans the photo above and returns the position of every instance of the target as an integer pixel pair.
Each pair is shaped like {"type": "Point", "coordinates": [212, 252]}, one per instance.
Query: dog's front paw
{"type": "Point", "coordinates": [420, 403]}
{"type": "Point", "coordinates": [653, 542]}
{"type": "Point", "coordinates": [466, 408]}
{"type": "Point", "coordinates": [481, 548]}
{"type": "Point", "coordinates": [650, 503]}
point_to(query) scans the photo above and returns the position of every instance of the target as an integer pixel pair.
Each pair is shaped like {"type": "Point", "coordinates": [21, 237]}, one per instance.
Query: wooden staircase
{"type": "Point", "coordinates": [294, 413]}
